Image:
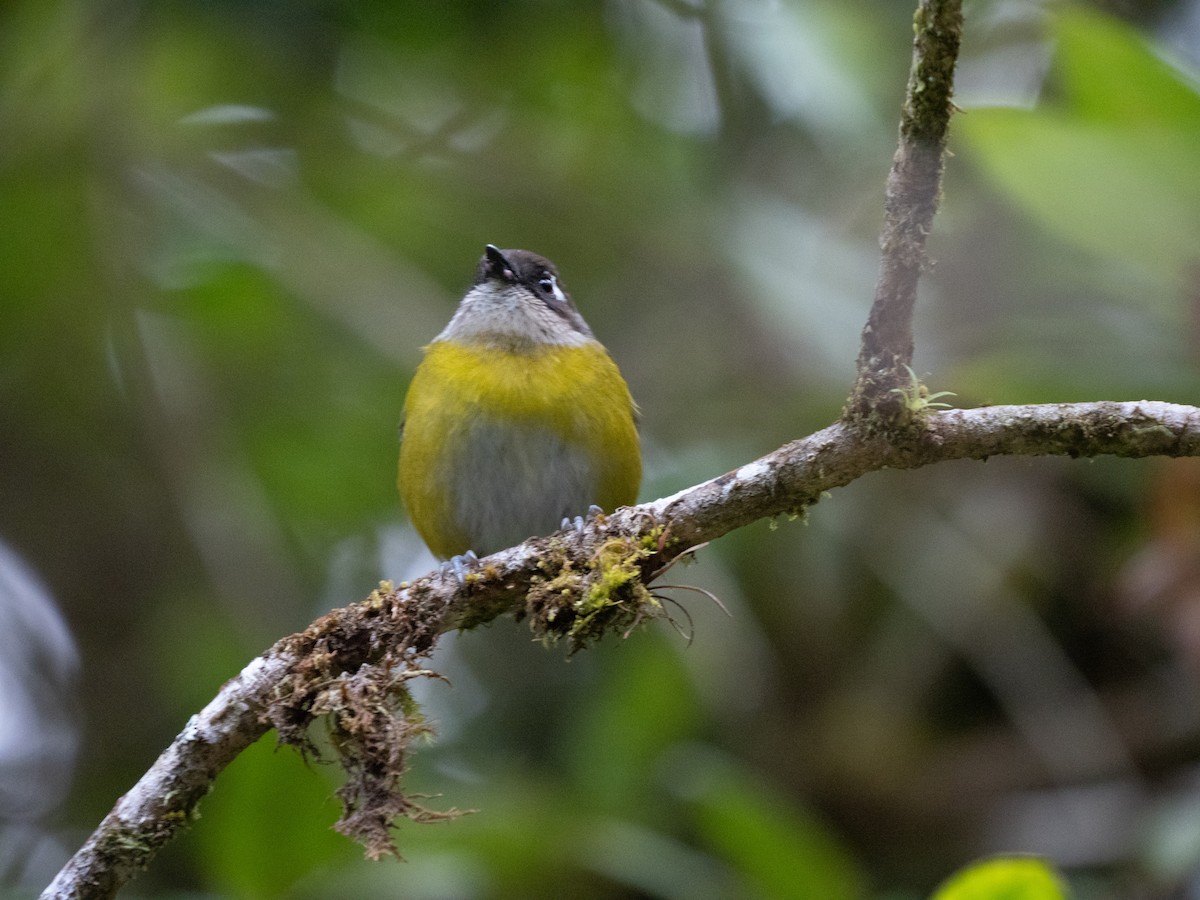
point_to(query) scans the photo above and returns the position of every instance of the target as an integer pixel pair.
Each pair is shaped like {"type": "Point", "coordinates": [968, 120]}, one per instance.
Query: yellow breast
{"type": "Point", "coordinates": [501, 443]}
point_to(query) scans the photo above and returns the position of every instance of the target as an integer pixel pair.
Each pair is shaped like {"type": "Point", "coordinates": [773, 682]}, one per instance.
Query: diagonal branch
{"type": "Point", "coordinates": [292, 683]}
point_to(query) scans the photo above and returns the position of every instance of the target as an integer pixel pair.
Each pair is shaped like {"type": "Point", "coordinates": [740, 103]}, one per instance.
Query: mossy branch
{"type": "Point", "coordinates": [351, 666]}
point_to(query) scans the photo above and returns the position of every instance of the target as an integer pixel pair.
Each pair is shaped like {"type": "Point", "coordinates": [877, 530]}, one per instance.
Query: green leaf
{"type": "Point", "coordinates": [1111, 164]}
{"type": "Point", "coordinates": [1109, 72]}
{"type": "Point", "coordinates": [780, 847]}
{"type": "Point", "coordinates": [267, 823]}
{"type": "Point", "coordinates": [1129, 195]}
{"type": "Point", "coordinates": [1005, 878]}
{"type": "Point", "coordinates": [646, 707]}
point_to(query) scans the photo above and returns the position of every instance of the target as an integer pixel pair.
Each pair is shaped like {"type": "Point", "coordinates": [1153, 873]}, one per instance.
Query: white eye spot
{"type": "Point", "coordinates": [549, 285]}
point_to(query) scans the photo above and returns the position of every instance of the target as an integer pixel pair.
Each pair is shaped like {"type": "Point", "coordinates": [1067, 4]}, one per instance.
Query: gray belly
{"type": "Point", "coordinates": [512, 485]}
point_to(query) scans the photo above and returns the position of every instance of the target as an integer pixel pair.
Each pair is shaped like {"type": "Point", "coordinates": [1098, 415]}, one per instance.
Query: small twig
{"type": "Point", "coordinates": [913, 191]}
{"type": "Point", "coordinates": [695, 590]}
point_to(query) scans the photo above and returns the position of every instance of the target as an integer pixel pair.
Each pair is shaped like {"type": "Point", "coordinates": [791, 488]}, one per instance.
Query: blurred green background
{"type": "Point", "coordinates": [228, 227]}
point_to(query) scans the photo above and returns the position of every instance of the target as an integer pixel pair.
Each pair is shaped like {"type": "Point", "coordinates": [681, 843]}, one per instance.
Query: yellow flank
{"type": "Point", "coordinates": [477, 413]}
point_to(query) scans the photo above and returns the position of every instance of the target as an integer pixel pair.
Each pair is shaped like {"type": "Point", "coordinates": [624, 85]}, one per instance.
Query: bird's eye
{"type": "Point", "coordinates": [551, 292]}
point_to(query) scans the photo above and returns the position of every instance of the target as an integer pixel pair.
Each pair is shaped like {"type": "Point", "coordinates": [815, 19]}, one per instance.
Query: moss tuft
{"type": "Point", "coordinates": [606, 594]}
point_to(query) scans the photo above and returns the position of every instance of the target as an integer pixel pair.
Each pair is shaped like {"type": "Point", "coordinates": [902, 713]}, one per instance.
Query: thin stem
{"type": "Point", "coordinates": [913, 191]}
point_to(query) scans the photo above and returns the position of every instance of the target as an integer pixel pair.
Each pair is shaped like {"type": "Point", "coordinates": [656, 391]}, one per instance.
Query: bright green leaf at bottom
{"type": "Point", "coordinates": [1009, 878]}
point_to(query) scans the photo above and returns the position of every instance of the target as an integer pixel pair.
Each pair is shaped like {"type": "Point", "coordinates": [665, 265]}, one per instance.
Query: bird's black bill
{"type": "Point", "coordinates": [496, 265]}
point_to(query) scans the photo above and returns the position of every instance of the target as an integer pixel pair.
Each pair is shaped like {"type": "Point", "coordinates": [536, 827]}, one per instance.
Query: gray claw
{"type": "Point", "coordinates": [576, 524]}
{"type": "Point", "coordinates": [580, 522]}
{"type": "Point", "coordinates": [460, 567]}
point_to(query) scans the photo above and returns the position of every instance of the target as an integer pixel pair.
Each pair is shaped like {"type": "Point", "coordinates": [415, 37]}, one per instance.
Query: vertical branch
{"type": "Point", "coordinates": [913, 190]}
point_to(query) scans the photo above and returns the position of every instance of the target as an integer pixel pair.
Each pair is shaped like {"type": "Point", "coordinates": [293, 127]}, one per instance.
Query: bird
{"type": "Point", "coordinates": [517, 420]}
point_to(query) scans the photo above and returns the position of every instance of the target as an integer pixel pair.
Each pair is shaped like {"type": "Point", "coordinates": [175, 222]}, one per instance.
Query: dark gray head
{"type": "Point", "coordinates": [525, 270]}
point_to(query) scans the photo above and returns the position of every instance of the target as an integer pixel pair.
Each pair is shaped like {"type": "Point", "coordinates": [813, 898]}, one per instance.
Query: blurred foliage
{"type": "Point", "coordinates": [228, 229]}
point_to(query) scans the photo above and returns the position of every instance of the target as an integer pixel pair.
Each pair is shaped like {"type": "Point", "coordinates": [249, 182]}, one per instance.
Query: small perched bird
{"type": "Point", "coordinates": [517, 417]}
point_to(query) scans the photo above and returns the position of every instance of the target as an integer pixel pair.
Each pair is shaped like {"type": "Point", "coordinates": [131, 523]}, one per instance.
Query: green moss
{"type": "Point", "coordinates": [916, 396]}
{"type": "Point", "coordinates": [606, 594]}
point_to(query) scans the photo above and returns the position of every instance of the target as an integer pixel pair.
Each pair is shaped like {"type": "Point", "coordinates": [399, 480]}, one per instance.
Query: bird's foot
{"type": "Point", "coordinates": [460, 567]}
{"type": "Point", "coordinates": [580, 522]}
